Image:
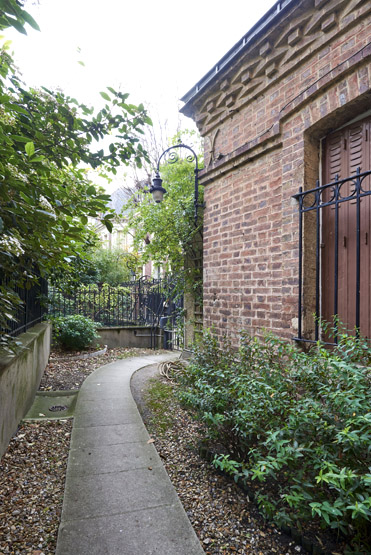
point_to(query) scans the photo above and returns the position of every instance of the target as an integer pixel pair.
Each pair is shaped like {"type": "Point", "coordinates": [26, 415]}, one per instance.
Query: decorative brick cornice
{"type": "Point", "coordinates": [274, 55]}
{"type": "Point", "coordinates": [271, 138]}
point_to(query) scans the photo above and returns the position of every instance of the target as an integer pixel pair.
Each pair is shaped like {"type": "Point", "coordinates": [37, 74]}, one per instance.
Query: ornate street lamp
{"type": "Point", "coordinates": [157, 189]}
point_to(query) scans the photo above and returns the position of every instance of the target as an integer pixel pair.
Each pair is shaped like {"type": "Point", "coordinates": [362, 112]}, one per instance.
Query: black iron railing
{"type": "Point", "coordinates": [170, 320]}
{"type": "Point", "coordinates": [131, 303]}
{"type": "Point", "coordinates": [143, 302]}
{"type": "Point", "coordinates": [332, 195]}
{"type": "Point", "coordinates": [136, 303]}
{"type": "Point", "coordinates": [31, 309]}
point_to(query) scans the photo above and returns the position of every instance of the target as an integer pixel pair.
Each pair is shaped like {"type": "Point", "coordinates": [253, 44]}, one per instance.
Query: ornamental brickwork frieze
{"type": "Point", "coordinates": [304, 33]}
{"type": "Point", "coordinates": [302, 72]}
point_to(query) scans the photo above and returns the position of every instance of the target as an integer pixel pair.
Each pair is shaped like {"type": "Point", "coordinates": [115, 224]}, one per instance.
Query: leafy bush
{"type": "Point", "coordinates": [297, 423]}
{"type": "Point", "coordinates": [113, 266]}
{"type": "Point", "coordinates": [74, 332]}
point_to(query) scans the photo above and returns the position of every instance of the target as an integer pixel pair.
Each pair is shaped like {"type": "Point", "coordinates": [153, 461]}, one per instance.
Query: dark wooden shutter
{"type": "Point", "coordinates": [344, 151]}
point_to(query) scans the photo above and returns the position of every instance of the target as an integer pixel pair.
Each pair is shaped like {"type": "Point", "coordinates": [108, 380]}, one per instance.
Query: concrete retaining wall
{"type": "Point", "coordinates": [20, 376]}
{"type": "Point", "coordinates": [128, 337]}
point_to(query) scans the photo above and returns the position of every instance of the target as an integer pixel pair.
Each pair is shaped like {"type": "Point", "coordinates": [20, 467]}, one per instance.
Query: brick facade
{"type": "Point", "coordinates": [263, 117]}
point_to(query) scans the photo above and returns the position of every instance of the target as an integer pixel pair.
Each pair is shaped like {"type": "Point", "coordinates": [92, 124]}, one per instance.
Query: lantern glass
{"type": "Point", "coordinates": [158, 194]}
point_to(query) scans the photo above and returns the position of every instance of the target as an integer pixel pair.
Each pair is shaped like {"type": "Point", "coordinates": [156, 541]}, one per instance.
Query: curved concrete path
{"type": "Point", "coordinates": [118, 497]}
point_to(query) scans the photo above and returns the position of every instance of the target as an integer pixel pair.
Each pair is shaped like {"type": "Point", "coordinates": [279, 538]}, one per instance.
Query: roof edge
{"type": "Point", "coordinates": [263, 23]}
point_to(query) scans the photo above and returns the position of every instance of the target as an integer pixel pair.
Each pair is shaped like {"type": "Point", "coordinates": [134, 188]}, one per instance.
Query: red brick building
{"type": "Point", "coordinates": [288, 105]}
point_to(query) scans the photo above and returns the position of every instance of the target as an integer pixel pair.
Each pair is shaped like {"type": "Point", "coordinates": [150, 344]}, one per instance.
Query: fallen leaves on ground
{"type": "Point", "coordinates": [32, 476]}
{"type": "Point", "coordinates": [64, 374]}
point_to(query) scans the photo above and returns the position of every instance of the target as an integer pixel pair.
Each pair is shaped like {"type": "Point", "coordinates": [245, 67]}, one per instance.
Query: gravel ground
{"type": "Point", "coordinates": [221, 514]}
{"type": "Point", "coordinates": [32, 475]}
{"type": "Point", "coordinates": [33, 469]}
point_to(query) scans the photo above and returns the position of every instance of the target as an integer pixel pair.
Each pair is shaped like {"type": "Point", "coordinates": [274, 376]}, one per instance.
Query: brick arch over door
{"type": "Point", "coordinates": [344, 151]}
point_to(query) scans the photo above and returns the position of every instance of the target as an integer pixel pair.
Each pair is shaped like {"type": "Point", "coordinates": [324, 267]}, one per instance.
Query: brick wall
{"type": "Point", "coordinates": [262, 119]}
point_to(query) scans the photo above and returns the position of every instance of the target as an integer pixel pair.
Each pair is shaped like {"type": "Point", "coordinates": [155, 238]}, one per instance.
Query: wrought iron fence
{"type": "Point", "coordinates": [32, 307]}
{"type": "Point", "coordinates": [332, 196]}
{"type": "Point", "coordinates": [146, 302]}
{"type": "Point", "coordinates": [155, 303]}
{"type": "Point", "coordinates": [132, 303]}
{"type": "Point", "coordinates": [170, 320]}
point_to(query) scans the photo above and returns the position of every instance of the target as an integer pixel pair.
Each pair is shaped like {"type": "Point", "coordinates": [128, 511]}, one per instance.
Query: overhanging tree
{"type": "Point", "coordinates": [48, 141]}
{"type": "Point", "coordinates": [166, 233]}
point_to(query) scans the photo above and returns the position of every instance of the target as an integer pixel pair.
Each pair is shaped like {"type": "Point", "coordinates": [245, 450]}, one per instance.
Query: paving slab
{"type": "Point", "coordinates": [96, 436]}
{"type": "Point", "coordinates": [104, 390]}
{"type": "Point", "coordinates": [156, 531]}
{"type": "Point", "coordinates": [111, 458]}
{"type": "Point", "coordinates": [117, 492]}
{"type": "Point", "coordinates": [118, 497]}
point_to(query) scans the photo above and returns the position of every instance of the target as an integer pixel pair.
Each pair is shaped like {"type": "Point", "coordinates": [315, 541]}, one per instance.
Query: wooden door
{"type": "Point", "coordinates": [344, 151]}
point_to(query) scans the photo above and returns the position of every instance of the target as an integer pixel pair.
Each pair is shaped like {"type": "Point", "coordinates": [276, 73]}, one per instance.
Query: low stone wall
{"type": "Point", "coordinates": [133, 336]}
{"type": "Point", "coordinates": [20, 376]}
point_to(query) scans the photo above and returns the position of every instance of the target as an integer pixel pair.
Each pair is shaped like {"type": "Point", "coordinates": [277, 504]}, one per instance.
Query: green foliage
{"type": "Point", "coordinates": [74, 332]}
{"type": "Point", "coordinates": [350, 346]}
{"type": "Point", "coordinates": [47, 143]}
{"type": "Point", "coordinates": [297, 423]}
{"type": "Point", "coordinates": [157, 398]}
{"type": "Point", "coordinates": [99, 266]}
{"type": "Point", "coordinates": [12, 14]}
{"type": "Point", "coordinates": [113, 266]}
{"type": "Point", "coordinates": [110, 266]}
{"type": "Point", "coordinates": [166, 232]}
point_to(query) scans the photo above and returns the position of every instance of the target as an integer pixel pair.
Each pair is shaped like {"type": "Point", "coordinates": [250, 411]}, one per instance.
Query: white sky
{"type": "Point", "coordinates": [154, 50]}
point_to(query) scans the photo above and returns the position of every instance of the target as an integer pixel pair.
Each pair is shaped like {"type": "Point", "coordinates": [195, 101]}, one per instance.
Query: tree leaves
{"type": "Point", "coordinates": [30, 20]}
{"type": "Point", "coordinates": [105, 96]}
{"type": "Point", "coordinates": [169, 224]}
{"type": "Point", "coordinates": [45, 196]}
{"type": "Point", "coordinates": [30, 149]}
{"type": "Point", "coordinates": [12, 15]}
{"type": "Point", "coordinates": [108, 225]}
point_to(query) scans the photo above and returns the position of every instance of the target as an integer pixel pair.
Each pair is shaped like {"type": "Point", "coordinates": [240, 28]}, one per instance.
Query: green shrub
{"type": "Point", "coordinates": [297, 423]}
{"type": "Point", "coordinates": [74, 332]}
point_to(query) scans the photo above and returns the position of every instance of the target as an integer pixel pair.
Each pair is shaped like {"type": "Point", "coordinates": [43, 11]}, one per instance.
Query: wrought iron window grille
{"type": "Point", "coordinates": [330, 195]}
